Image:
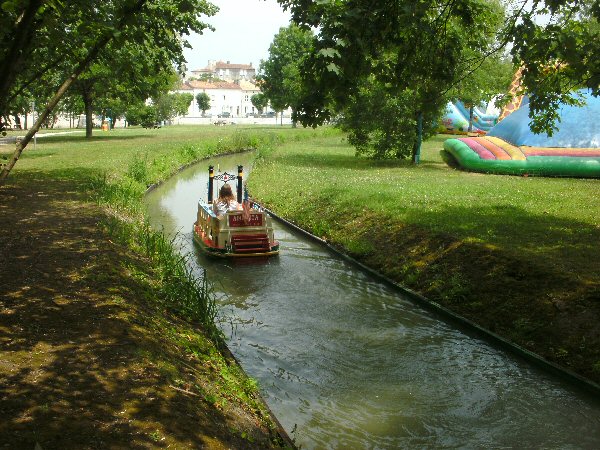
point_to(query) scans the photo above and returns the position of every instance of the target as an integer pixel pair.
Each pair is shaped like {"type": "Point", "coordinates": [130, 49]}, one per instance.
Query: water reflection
{"type": "Point", "coordinates": [348, 363]}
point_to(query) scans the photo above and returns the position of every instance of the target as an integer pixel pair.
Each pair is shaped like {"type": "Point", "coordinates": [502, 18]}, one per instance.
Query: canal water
{"type": "Point", "coordinates": [345, 362]}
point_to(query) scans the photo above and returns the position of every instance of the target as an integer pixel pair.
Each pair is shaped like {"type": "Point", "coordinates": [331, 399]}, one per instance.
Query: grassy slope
{"type": "Point", "coordinates": [518, 255]}
{"type": "Point", "coordinates": [176, 388]}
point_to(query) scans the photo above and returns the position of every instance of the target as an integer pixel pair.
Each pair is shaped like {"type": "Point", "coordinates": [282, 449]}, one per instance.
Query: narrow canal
{"type": "Point", "coordinates": [345, 362]}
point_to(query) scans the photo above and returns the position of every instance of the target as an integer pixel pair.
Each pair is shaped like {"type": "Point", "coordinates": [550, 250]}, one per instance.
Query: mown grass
{"type": "Point", "coordinates": [518, 255]}
{"type": "Point", "coordinates": [528, 215]}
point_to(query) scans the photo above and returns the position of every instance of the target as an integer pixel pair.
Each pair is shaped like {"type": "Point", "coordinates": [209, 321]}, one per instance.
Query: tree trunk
{"type": "Point", "coordinates": [416, 156]}
{"type": "Point", "coordinates": [89, 113]}
{"type": "Point", "coordinates": [471, 118]}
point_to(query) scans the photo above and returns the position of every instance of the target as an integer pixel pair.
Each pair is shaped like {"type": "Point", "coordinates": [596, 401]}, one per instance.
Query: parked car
{"type": "Point", "coordinates": [224, 114]}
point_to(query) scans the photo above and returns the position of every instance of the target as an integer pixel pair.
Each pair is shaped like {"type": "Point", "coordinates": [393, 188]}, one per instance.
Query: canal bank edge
{"type": "Point", "coordinates": [568, 375]}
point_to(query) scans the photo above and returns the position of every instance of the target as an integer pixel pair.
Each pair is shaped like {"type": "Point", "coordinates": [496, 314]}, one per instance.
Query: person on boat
{"type": "Point", "coordinates": [226, 201]}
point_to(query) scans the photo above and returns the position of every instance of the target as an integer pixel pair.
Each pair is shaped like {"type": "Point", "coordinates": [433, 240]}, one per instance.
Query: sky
{"type": "Point", "coordinates": [244, 29]}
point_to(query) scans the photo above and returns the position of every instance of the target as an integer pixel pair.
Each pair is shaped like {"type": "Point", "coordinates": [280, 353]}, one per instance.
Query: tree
{"type": "Point", "coordinates": [492, 78]}
{"type": "Point", "coordinates": [203, 100]}
{"type": "Point", "coordinates": [558, 57]}
{"type": "Point", "coordinates": [39, 36]}
{"type": "Point", "coordinates": [171, 105]}
{"type": "Point", "coordinates": [410, 50]}
{"type": "Point", "coordinates": [280, 77]}
{"type": "Point", "coordinates": [129, 73]}
{"type": "Point", "coordinates": [259, 101]}
{"type": "Point", "coordinates": [381, 123]}
{"type": "Point", "coordinates": [141, 114]}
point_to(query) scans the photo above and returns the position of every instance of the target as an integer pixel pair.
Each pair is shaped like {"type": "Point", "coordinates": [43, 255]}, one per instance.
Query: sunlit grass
{"type": "Point", "coordinates": [114, 150]}
{"type": "Point", "coordinates": [320, 183]}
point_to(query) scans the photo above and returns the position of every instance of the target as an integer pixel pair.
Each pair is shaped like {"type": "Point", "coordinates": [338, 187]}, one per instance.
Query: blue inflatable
{"type": "Point", "coordinates": [579, 127]}
{"type": "Point", "coordinates": [512, 148]}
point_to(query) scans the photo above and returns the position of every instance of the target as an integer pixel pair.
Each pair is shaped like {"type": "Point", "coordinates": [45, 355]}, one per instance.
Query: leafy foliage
{"type": "Point", "coordinates": [558, 57]}
{"type": "Point", "coordinates": [260, 101]}
{"type": "Point", "coordinates": [203, 101]}
{"type": "Point", "coordinates": [48, 44]}
{"type": "Point", "coordinates": [442, 42]}
{"type": "Point", "coordinates": [169, 106]}
{"type": "Point", "coordinates": [398, 66]}
{"type": "Point", "coordinates": [380, 123]}
{"type": "Point", "coordinates": [280, 77]}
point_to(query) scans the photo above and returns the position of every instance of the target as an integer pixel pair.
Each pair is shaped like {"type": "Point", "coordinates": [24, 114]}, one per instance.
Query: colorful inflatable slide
{"type": "Point", "coordinates": [511, 147]}
{"type": "Point", "coordinates": [456, 119]}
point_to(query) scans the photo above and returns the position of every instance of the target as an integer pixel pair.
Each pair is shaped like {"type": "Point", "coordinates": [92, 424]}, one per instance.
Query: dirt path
{"type": "Point", "coordinates": [85, 362]}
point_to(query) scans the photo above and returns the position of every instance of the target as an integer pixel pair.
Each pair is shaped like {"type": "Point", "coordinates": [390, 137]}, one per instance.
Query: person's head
{"type": "Point", "coordinates": [225, 193]}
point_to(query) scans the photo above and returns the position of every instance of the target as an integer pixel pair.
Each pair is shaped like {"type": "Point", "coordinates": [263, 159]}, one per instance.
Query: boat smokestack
{"type": "Point", "coordinates": [239, 183]}
{"type": "Point", "coordinates": [211, 176]}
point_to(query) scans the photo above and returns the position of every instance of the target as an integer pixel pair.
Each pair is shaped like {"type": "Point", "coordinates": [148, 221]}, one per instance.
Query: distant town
{"type": "Point", "coordinates": [230, 87]}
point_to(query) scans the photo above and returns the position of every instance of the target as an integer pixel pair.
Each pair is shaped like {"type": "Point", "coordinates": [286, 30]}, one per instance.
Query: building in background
{"type": "Point", "coordinates": [232, 98]}
{"type": "Point", "coordinates": [223, 71]}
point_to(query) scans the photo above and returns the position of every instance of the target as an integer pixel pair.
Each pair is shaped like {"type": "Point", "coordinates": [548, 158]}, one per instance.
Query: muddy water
{"type": "Point", "coordinates": [345, 362]}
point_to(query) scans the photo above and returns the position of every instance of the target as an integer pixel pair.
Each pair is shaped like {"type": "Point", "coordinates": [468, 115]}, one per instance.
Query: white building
{"type": "Point", "coordinates": [234, 98]}
{"type": "Point", "coordinates": [225, 71]}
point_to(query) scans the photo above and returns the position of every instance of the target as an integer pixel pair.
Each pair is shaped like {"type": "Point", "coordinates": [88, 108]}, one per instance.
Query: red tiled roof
{"type": "Point", "coordinates": [197, 84]}
{"type": "Point", "coordinates": [224, 65]}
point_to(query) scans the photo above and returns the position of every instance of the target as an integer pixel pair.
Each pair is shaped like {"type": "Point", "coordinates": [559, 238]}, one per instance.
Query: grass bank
{"type": "Point", "coordinates": [107, 338]}
{"type": "Point", "coordinates": [520, 256]}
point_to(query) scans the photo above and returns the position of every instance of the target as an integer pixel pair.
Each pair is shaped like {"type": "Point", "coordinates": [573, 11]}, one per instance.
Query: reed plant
{"type": "Point", "coordinates": [178, 288]}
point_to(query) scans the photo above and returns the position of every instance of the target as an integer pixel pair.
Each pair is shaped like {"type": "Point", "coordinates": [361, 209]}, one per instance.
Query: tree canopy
{"type": "Point", "coordinates": [279, 78]}
{"type": "Point", "coordinates": [259, 101]}
{"type": "Point", "coordinates": [432, 49]}
{"type": "Point", "coordinates": [410, 50]}
{"type": "Point", "coordinates": [203, 101]}
{"type": "Point", "coordinates": [43, 37]}
{"type": "Point", "coordinates": [558, 56]}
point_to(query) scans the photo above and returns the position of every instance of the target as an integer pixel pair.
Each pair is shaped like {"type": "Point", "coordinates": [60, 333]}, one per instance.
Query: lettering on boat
{"type": "Point", "coordinates": [254, 220]}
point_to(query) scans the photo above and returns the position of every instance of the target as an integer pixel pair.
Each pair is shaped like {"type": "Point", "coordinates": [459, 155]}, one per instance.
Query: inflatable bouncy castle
{"type": "Point", "coordinates": [510, 147]}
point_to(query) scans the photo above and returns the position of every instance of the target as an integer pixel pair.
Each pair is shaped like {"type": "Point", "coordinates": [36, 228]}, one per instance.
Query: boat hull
{"type": "Point", "coordinates": [207, 247]}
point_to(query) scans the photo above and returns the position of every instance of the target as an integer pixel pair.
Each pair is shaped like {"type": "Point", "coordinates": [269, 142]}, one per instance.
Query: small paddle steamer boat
{"type": "Point", "coordinates": [239, 233]}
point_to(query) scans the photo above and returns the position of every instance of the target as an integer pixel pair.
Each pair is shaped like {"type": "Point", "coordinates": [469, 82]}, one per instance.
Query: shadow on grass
{"type": "Point", "coordinates": [74, 365]}
{"type": "Point", "coordinates": [71, 138]}
{"type": "Point", "coordinates": [561, 242]}
{"type": "Point", "coordinates": [338, 161]}
{"type": "Point", "coordinates": [76, 180]}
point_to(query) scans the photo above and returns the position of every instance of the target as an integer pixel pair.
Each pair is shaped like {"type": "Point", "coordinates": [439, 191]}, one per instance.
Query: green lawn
{"type": "Point", "coordinates": [114, 151]}
{"type": "Point", "coordinates": [539, 217]}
